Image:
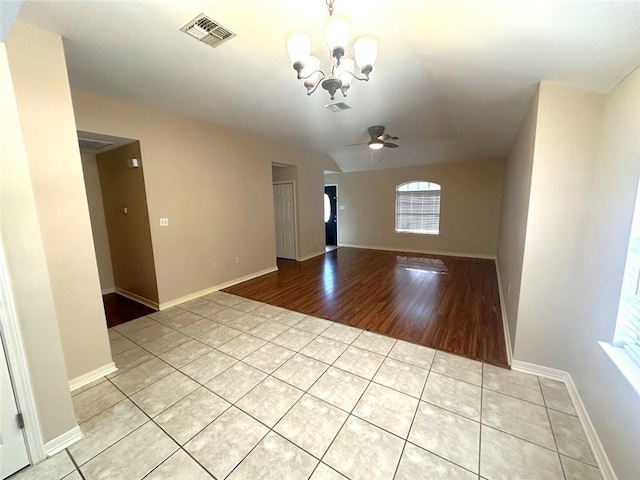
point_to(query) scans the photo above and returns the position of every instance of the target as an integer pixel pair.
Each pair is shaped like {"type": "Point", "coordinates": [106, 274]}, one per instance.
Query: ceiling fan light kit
{"type": "Point", "coordinates": [341, 70]}
{"type": "Point", "coordinates": [378, 139]}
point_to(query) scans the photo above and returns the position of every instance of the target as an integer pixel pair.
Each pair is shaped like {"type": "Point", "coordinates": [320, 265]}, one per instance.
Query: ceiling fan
{"type": "Point", "coordinates": [378, 139]}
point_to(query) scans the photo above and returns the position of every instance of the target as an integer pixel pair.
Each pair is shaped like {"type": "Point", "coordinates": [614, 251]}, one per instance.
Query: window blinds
{"type": "Point", "coordinates": [418, 212]}
{"type": "Point", "coordinates": [628, 326]}
{"type": "Point", "coordinates": [627, 333]}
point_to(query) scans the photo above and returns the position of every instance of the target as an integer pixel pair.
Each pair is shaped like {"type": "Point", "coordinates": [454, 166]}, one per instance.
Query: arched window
{"type": "Point", "coordinates": [327, 208]}
{"type": "Point", "coordinates": [418, 207]}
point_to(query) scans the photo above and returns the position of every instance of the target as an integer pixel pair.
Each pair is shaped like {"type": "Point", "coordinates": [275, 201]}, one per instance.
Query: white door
{"type": "Point", "coordinates": [284, 212]}
{"type": "Point", "coordinates": [13, 449]}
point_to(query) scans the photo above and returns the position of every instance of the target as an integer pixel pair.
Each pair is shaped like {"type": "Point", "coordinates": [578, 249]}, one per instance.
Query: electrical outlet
{"type": "Point", "coordinates": [164, 222]}
{"type": "Point", "coordinates": [237, 259]}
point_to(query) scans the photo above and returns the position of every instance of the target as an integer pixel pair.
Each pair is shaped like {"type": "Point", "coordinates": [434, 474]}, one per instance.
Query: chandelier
{"type": "Point", "coordinates": [341, 69]}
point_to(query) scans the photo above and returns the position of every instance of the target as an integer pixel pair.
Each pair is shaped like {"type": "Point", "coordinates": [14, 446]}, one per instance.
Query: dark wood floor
{"type": "Point", "coordinates": [448, 303]}
{"type": "Point", "coordinates": [119, 309]}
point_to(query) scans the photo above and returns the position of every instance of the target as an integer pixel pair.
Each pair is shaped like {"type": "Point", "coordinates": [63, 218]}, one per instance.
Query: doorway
{"type": "Point", "coordinates": [116, 195]}
{"type": "Point", "coordinates": [285, 219]}
{"type": "Point", "coordinates": [331, 216]}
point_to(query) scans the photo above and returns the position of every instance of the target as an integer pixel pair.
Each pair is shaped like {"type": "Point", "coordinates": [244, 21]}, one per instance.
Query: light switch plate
{"type": "Point", "coordinates": [164, 222]}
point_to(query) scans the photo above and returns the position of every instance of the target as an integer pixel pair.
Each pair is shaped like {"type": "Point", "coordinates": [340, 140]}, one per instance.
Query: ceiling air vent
{"type": "Point", "coordinates": [338, 106]}
{"type": "Point", "coordinates": [92, 144]}
{"type": "Point", "coordinates": [207, 31]}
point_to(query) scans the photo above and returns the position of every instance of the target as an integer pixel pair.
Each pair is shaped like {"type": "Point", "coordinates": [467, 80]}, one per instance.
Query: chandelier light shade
{"type": "Point", "coordinates": [336, 33]}
{"type": "Point", "coordinates": [298, 46]}
{"type": "Point", "coordinates": [341, 72]}
{"type": "Point", "coordinates": [366, 50]}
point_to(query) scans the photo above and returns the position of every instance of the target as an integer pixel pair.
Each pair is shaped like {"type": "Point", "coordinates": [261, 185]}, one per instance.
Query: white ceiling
{"type": "Point", "coordinates": [453, 79]}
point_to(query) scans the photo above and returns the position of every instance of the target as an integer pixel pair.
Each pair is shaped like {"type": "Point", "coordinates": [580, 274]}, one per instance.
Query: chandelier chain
{"type": "Point", "coordinates": [330, 5]}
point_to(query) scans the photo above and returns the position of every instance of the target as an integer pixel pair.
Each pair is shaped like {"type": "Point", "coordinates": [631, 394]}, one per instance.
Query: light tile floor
{"type": "Point", "coordinates": [225, 387]}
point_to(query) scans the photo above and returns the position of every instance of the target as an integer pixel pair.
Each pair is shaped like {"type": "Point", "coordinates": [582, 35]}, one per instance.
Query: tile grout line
{"type": "Point", "coordinates": [553, 433]}
{"type": "Point", "coordinates": [413, 418]}
{"type": "Point", "coordinates": [73, 460]}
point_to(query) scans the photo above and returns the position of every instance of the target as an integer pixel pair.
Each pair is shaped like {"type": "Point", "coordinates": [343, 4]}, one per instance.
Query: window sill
{"type": "Point", "coordinates": [628, 367]}
{"type": "Point", "coordinates": [407, 232]}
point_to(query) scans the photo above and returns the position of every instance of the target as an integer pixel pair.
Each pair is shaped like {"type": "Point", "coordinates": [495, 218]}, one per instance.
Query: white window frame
{"type": "Point", "coordinates": [433, 189]}
{"type": "Point", "coordinates": [625, 348]}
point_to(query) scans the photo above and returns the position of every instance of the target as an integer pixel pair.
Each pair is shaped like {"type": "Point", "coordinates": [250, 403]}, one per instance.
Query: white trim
{"type": "Point", "coordinates": [505, 320]}
{"type": "Point", "coordinates": [206, 291]}
{"type": "Point", "coordinates": [92, 376]}
{"type": "Point", "coordinates": [606, 470]}
{"type": "Point", "coordinates": [137, 298]}
{"type": "Point", "coordinates": [63, 441]}
{"type": "Point", "coordinates": [108, 290]}
{"type": "Point", "coordinates": [414, 250]}
{"type": "Point", "coordinates": [307, 257]}
{"type": "Point", "coordinates": [539, 370]}
{"type": "Point", "coordinates": [621, 359]}
{"type": "Point", "coordinates": [18, 366]}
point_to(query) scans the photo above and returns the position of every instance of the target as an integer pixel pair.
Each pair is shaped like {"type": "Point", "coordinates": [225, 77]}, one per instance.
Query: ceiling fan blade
{"type": "Point", "coordinates": [391, 145]}
{"type": "Point", "coordinates": [354, 144]}
{"type": "Point", "coordinates": [385, 136]}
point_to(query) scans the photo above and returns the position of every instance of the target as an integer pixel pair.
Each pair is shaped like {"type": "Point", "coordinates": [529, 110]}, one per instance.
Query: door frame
{"type": "Point", "coordinates": [337, 212]}
{"type": "Point", "coordinates": [296, 240]}
{"type": "Point", "coordinates": [17, 365]}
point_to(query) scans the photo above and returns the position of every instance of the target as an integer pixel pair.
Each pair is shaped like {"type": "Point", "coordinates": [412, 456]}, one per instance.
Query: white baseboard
{"type": "Point", "coordinates": [503, 311]}
{"type": "Point", "coordinates": [426, 252]}
{"type": "Point", "coordinates": [108, 290]}
{"type": "Point", "coordinates": [63, 441]}
{"type": "Point", "coordinates": [606, 470]}
{"type": "Point", "coordinates": [540, 371]}
{"type": "Point", "coordinates": [307, 257]}
{"type": "Point", "coordinates": [137, 298]}
{"type": "Point", "coordinates": [206, 291]}
{"type": "Point", "coordinates": [92, 376]}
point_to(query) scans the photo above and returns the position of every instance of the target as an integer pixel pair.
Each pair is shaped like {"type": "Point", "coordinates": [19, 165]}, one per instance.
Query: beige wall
{"type": "Point", "coordinates": [566, 143]}
{"type": "Point", "coordinates": [469, 210]}
{"type": "Point", "coordinates": [98, 222]}
{"type": "Point", "coordinates": [215, 186]}
{"type": "Point", "coordinates": [513, 213]}
{"type": "Point", "coordinates": [39, 75]}
{"type": "Point", "coordinates": [129, 235]}
{"type": "Point", "coordinates": [27, 267]}
{"type": "Point", "coordinates": [586, 165]}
